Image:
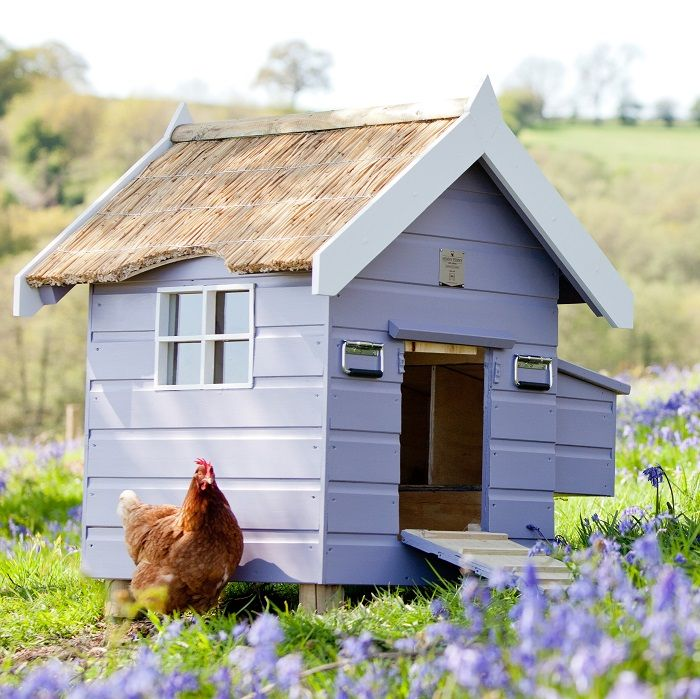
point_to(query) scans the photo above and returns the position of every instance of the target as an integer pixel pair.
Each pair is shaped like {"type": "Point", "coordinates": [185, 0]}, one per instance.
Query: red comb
{"type": "Point", "coordinates": [207, 465]}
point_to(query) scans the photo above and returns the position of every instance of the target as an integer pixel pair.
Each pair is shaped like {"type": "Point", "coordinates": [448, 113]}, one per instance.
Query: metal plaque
{"type": "Point", "coordinates": [451, 267]}
{"type": "Point", "coordinates": [363, 359]}
{"type": "Point", "coordinates": [531, 372]}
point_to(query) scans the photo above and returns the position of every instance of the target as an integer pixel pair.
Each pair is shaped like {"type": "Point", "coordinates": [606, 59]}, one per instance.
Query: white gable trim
{"type": "Point", "coordinates": [27, 299]}
{"type": "Point", "coordinates": [480, 133]}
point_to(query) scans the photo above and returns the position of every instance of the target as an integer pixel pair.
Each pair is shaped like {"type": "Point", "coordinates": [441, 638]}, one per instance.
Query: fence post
{"type": "Point", "coordinates": [73, 429]}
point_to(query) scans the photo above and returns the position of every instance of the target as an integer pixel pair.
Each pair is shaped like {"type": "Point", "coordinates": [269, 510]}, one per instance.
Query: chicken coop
{"type": "Point", "coordinates": [354, 316]}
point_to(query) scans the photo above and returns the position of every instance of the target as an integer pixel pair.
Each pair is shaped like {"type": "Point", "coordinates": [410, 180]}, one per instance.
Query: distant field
{"type": "Point", "coordinates": [621, 145]}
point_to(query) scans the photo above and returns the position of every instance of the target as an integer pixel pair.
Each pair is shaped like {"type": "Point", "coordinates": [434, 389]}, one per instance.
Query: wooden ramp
{"type": "Point", "coordinates": [484, 552]}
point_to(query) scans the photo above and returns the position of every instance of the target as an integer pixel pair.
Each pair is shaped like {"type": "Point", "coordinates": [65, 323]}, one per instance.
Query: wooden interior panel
{"type": "Point", "coordinates": [456, 425]}
{"type": "Point", "coordinates": [439, 509]}
{"type": "Point", "coordinates": [415, 424]}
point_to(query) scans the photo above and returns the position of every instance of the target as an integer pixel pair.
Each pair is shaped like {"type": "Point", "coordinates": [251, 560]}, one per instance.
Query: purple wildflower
{"type": "Point", "coordinates": [438, 609]}
{"type": "Point", "coordinates": [501, 579]}
{"type": "Point", "coordinates": [288, 671]}
{"type": "Point", "coordinates": [357, 648]}
{"type": "Point", "coordinates": [646, 551]}
{"type": "Point", "coordinates": [628, 686]}
{"type": "Point", "coordinates": [686, 688]}
{"type": "Point", "coordinates": [680, 559]}
{"type": "Point", "coordinates": [265, 631]}
{"type": "Point", "coordinates": [654, 474]}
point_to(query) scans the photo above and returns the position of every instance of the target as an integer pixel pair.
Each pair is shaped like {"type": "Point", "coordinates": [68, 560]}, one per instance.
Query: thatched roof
{"type": "Point", "coordinates": [263, 202]}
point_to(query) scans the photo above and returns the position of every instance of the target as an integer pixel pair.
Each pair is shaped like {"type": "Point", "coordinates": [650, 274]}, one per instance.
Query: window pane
{"type": "Point", "coordinates": [184, 362]}
{"type": "Point", "coordinates": [185, 314]}
{"type": "Point", "coordinates": [231, 361]}
{"type": "Point", "coordinates": [231, 312]}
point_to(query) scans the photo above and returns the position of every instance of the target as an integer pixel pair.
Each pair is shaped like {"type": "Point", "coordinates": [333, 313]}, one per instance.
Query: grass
{"type": "Point", "coordinates": [644, 144]}
{"type": "Point", "coordinates": [47, 609]}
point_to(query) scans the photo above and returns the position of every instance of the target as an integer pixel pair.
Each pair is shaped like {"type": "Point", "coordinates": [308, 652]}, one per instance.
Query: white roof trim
{"type": "Point", "coordinates": [27, 300]}
{"type": "Point", "coordinates": [479, 133]}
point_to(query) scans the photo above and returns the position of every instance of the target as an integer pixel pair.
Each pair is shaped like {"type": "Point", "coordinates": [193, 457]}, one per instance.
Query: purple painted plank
{"type": "Point", "coordinates": [299, 351]}
{"type": "Point", "coordinates": [285, 306]}
{"type": "Point", "coordinates": [585, 423]}
{"type": "Point", "coordinates": [523, 465]}
{"type": "Point", "coordinates": [293, 406]}
{"type": "Point", "coordinates": [121, 311]}
{"type": "Point", "coordinates": [263, 561]}
{"type": "Point", "coordinates": [257, 505]}
{"type": "Point", "coordinates": [523, 415]}
{"type": "Point", "coordinates": [476, 179]}
{"type": "Point", "coordinates": [370, 305]}
{"type": "Point", "coordinates": [500, 268]}
{"type": "Point", "coordinates": [364, 405]}
{"type": "Point", "coordinates": [235, 453]}
{"type": "Point", "coordinates": [584, 471]}
{"type": "Point", "coordinates": [210, 267]}
{"type": "Point", "coordinates": [362, 508]}
{"type": "Point", "coordinates": [592, 377]}
{"type": "Point", "coordinates": [570, 387]}
{"type": "Point", "coordinates": [478, 217]}
{"type": "Point", "coordinates": [510, 511]}
{"type": "Point", "coordinates": [121, 360]}
{"type": "Point", "coordinates": [363, 457]}
{"type": "Point", "coordinates": [373, 560]}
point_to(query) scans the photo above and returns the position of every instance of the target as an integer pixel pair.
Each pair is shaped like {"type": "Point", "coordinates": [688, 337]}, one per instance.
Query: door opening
{"type": "Point", "coordinates": [442, 424]}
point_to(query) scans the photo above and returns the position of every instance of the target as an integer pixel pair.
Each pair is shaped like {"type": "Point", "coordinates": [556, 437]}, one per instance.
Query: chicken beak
{"type": "Point", "coordinates": [209, 480]}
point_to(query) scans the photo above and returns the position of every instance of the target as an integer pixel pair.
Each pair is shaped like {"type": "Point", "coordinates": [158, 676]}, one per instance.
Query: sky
{"type": "Point", "coordinates": [384, 51]}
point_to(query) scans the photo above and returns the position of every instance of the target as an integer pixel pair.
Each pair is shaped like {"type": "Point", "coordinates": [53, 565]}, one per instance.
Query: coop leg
{"type": "Point", "coordinates": [320, 598]}
{"type": "Point", "coordinates": [117, 598]}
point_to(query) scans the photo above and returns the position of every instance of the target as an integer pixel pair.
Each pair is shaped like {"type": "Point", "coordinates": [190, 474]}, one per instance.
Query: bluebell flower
{"type": "Point", "coordinates": [265, 630]}
{"type": "Point", "coordinates": [680, 559]}
{"type": "Point", "coordinates": [646, 551]}
{"type": "Point", "coordinates": [501, 579]}
{"type": "Point", "coordinates": [654, 474]}
{"type": "Point", "coordinates": [438, 609]}
{"type": "Point", "coordinates": [357, 648]}
{"type": "Point", "coordinates": [288, 671]}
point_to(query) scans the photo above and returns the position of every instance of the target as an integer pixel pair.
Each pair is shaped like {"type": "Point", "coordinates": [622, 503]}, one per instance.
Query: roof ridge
{"type": "Point", "coordinates": [320, 121]}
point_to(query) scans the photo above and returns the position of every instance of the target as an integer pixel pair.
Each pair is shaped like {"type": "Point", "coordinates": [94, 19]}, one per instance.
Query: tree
{"type": "Point", "coordinates": [521, 108]}
{"type": "Point", "coordinates": [20, 67]}
{"type": "Point", "coordinates": [695, 111]}
{"type": "Point", "coordinates": [665, 110]}
{"type": "Point", "coordinates": [293, 68]}
{"type": "Point", "coordinates": [603, 72]}
{"type": "Point", "coordinates": [542, 77]}
{"type": "Point", "coordinates": [42, 152]}
{"type": "Point", "coordinates": [628, 111]}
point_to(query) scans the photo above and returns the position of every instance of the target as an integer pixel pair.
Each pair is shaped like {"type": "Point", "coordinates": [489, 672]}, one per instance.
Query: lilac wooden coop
{"type": "Point", "coordinates": [353, 315]}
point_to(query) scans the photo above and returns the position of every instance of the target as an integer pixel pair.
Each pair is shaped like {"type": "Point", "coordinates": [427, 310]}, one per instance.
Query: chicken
{"type": "Point", "coordinates": [184, 555]}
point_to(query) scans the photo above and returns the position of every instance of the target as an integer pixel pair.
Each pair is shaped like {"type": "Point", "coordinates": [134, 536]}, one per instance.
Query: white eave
{"type": "Point", "coordinates": [482, 134]}
{"type": "Point", "coordinates": [27, 299]}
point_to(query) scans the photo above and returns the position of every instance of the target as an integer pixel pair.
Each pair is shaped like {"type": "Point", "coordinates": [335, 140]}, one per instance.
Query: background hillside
{"type": "Point", "coordinates": [633, 187]}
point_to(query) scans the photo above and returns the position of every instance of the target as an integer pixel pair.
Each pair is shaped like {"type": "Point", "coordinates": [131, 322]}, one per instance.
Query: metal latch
{"type": "Point", "coordinates": [532, 372]}
{"type": "Point", "coordinates": [363, 359]}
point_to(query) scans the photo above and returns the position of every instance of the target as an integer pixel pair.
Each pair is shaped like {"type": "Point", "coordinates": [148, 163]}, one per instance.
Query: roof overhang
{"type": "Point", "coordinates": [480, 134]}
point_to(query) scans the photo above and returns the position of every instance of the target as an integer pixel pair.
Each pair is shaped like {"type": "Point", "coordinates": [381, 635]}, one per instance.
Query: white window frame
{"type": "Point", "coordinates": [205, 338]}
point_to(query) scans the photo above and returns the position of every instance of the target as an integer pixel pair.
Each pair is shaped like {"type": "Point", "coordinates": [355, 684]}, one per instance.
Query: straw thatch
{"type": "Point", "coordinates": [262, 203]}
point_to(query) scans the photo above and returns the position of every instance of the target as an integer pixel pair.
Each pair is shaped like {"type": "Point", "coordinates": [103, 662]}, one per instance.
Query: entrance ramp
{"type": "Point", "coordinates": [485, 552]}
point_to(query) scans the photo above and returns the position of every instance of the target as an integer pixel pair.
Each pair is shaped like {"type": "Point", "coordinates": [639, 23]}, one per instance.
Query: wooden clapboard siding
{"type": "Point", "coordinates": [266, 443]}
{"type": "Point", "coordinates": [288, 556]}
{"type": "Point", "coordinates": [370, 559]}
{"type": "Point", "coordinates": [519, 463]}
{"type": "Point", "coordinates": [240, 453]}
{"type": "Point", "coordinates": [511, 289]}
{"type": "Point", "coordinates": [258, 503]}
{"type": "Point", "coordinates": [585, 449]}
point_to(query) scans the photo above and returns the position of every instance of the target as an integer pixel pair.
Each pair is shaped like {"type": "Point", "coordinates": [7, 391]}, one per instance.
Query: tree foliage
{"type": "Point", "coordinates": [665, 111]}
{"type": "Point", "coordinates": [294, 67]}
{"type": "Point", "coordinates": [20, 68]}
{"type": "Point", "coordinates": [521, 108]}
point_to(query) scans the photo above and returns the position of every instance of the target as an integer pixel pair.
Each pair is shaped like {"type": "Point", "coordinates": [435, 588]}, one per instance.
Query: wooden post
{"type": "Point", "coordinates": [72, 422]}
{"type": "Point", "coordinates": [117, 599]}
{"type": "Point", "coordinates": [320, 598]}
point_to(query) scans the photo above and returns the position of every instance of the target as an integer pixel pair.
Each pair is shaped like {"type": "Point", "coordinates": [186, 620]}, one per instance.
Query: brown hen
{"type": "Point", "coordinates": [184, 555]}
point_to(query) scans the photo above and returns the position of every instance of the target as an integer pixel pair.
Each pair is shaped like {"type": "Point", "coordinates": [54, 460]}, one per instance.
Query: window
{"type": "Point", "coordinates": [204, 336]}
